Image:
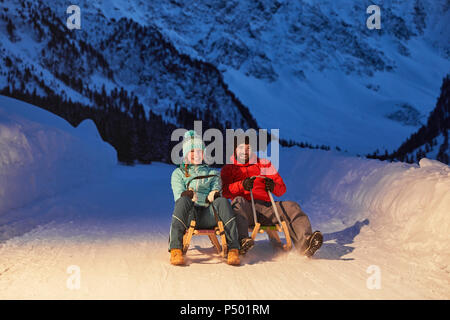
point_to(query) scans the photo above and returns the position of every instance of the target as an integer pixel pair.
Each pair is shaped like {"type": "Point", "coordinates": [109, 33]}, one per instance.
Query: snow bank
{"type": "Point", "coordinates": [41, 154]}
{"type": "Point", "coordinates": [402, 201]}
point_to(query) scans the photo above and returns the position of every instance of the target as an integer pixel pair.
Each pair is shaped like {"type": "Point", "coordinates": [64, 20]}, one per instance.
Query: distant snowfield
{"type": "Point", "coordinates": [324, 105]}
{"type": "Point", "coordinates": [115, 229]}
{"type": "Point", "coordinates": [320, 94]}
{"type": "Point", "coordinates": [336, 109]}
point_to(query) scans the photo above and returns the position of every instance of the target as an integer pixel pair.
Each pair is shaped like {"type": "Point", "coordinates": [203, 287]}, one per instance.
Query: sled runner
{"type": "Point", "coordinates": [271, 230]}
{"type": "Point", "coordinates": [212, 233]}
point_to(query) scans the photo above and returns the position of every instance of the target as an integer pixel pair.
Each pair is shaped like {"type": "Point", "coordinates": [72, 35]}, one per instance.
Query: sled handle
{"type": "Point", "coordinates": [216, 216]}
{"type": "Point", "coordinates": [275, 209]}
{"type": "Point", "coordinates": [277, 215]}
{"type": "Point", "coordinates": [253, 207]}
{"type": "Point", "coordinates": [201, 177]}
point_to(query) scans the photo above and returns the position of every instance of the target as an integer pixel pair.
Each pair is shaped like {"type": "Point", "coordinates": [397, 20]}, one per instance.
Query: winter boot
{"type": "Point", "coordinates": [246, 244]}
{"type": "Point", "coordinates": [314, 243]}
{"type": "Point", "coordinates": [233, 257]}
{"type": "Point", "coordinates": [176, 257]}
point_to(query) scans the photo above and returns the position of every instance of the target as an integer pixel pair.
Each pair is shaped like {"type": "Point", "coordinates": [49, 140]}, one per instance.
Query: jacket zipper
{"type": "Point", "coordinates": [198, 180]}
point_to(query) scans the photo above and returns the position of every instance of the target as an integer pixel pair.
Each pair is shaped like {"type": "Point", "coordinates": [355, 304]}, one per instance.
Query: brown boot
{"type": "Point", "coordinates": [176, 257]}
{"type": "Point", "coordinates": [314, 243]}
{"type": "Point", "coordinates": [233, 257]}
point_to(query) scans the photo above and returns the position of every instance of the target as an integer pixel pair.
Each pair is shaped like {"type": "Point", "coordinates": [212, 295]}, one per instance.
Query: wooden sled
{"type": "Point", "coordinates": [219, 230]}
{"type": "Point", "coordinates": [272, 230]}
{"type": "Point", "coordinates": [211, 233]}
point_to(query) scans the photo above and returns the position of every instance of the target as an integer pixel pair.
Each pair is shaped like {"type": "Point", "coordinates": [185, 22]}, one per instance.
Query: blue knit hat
{"type": "Point", "coordinates": [192, 141]}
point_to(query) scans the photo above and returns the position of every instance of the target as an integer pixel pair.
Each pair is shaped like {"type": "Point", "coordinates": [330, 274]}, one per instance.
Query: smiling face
{"type": "Point", "coordinates": [195, 156]}
{"type": "Point", "coordinates": [243, 152]}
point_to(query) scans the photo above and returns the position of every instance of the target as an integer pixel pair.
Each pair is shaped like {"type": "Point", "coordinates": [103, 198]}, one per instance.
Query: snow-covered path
{"type": "Point", "coordinates": [116, 233]}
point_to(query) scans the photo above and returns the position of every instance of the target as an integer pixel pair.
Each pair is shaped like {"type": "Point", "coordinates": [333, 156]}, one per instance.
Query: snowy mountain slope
{"type": "Point", "coordinates": [108, 57]}
{"type": "Point", "coordinates": [374, 90]}
{"type": "Point", "coordinates": [42, 155]}
{"type": "Point", "coordinates": [431, 140]}
{"type": "Point", "coordinates": [438, 149]}
{"type": "Point", "coordinates": [393, 216]}
{"type": "Point", "coordinates": [276, 55]}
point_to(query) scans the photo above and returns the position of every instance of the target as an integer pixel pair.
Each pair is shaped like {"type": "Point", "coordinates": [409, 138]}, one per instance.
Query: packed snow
{"type": "Point", "coordinates": [114, 225]}
{"type": "Point", "coordinates": [407, 205]}
{"type": "Point", "coordinates": [42, 155]}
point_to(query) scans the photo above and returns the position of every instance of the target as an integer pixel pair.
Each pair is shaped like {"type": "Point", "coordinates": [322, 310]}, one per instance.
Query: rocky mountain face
{"type": "Point", "coordinates": [110, 55]}
{"type": "Point", "coordinates": [431, 140]}
{"type": "Point", "coordinates": [264, 36]}
{"type": "Point", "coordinates": [317, 62]}
{"type": "Point", "coordinates": [125, 72]}
{"type": "Point", "coordinates": [312, 69]}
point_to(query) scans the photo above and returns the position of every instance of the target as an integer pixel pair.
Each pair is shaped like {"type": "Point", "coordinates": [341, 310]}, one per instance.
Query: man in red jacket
{"type": "Point", "coordinates": [237, 182]}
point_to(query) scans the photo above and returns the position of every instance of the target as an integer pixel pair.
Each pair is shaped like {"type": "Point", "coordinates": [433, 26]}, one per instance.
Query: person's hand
{"type": "Point", "coordinates": [248, 183]}
{"type": "Point", "coordinates": [188, 193]}
{"type": "Point", "coordinates": [213, 195]}
{"type": "Point", "coordinates": [195, 197]}
{"type": "Point", "coordinates": [270, 185]}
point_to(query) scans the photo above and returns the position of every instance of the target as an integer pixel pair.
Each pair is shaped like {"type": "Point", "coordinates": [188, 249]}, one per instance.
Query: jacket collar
{"type": "Point", "coordinates": [198, 166]}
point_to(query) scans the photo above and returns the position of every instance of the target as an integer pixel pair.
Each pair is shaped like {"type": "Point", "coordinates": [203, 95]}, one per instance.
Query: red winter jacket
{"type": "Point", "coordinates": [233, 174]}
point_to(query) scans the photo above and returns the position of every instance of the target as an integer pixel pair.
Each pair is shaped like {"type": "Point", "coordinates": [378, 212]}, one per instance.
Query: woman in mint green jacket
{"type": "Point", "coordinates": [195, 198]}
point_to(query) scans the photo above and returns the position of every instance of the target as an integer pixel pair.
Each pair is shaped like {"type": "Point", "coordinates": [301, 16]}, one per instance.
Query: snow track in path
{"type": "Point", "coordinates": [63, 202]}
{"type": "Point", "coordinates": [138, 268]}
{"type": "Point", "coordinates": [116, 233]}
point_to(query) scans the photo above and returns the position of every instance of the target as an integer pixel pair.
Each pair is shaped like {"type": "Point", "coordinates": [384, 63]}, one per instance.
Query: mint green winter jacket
{"type": "Point", "coordinates": [201, 186]}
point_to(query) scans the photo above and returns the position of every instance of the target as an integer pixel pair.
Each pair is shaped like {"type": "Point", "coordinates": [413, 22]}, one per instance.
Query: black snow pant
{"type": "Point", "coordinates": [297, 221]}
{"type": "Point", "coordinates": [185, 211]}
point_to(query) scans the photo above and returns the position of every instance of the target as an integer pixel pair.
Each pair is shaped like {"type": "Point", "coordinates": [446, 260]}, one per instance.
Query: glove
{"type": "Point", "coordinates": [213, 195]}
{"type": "Point", "coordinates": [270, 185]}
{"type": "Point", "coordinates": [248, 183]}
{"type": "Point", "coordinates": [188, 193]}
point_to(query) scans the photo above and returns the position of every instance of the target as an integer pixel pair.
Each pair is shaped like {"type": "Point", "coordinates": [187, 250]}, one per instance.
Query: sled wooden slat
{"type": "Point", "coordinates": [269, 228]}
{"type": "Point", "coordinates": [221, 248]}
{"type": "Point", "coordinates": [223, 239]}
{"type": "Point", "coordinates": [188, 236]}
{"type": "Point", "coordinates": [204, 232]}
{"type": "Point", "coordinates": [215, 242]}
{"type": "Point", "coordinates": [272, 233]}
{"type": "Point", "coordinates": [255, 230]}
{"type": "Point", "coordinates": [288, 244]}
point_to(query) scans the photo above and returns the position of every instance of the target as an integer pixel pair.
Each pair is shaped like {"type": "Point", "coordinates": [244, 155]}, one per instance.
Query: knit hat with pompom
{"type": "Point", "coordinates": [192, 141]}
